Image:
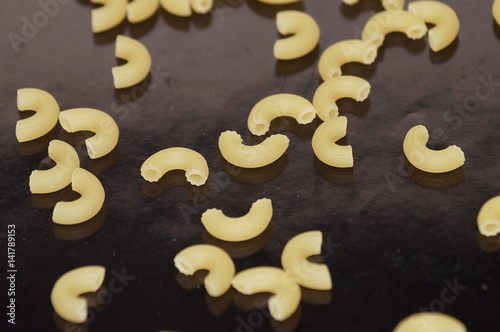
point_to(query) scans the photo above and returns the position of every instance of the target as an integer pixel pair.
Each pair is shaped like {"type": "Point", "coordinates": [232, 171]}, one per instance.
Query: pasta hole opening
{"type": "Point", "coordinates": [370, 56]}
{"type": "Point", "coordinates": [332, 113]}
{"type": "Point", "coordinates": [260, 128]}
{"type": "Point", "coordinates": [151, 174]}
{"type": "Point", "coordinates": [307, 117]}
{"type": "Point", "coordinates": [196, 179]}
{"type": "Point", "coordinates": [416, 33]}
{"type": "Point", "coordinates": [363, 94]}
{"type": "Point", "coordinates": [492, 228]}
{"type": "Point", "coordinates": [183, 267]}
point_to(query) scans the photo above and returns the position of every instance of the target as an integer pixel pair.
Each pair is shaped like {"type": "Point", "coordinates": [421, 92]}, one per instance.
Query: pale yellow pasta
{"type": "Point", "coordinates": [325, 148]}
{"type": "Point", "coordinates": [305, 32]}
{"type": "Point", "coordinates": [193, 163]}
{"type": "Point", "coordinates": [278, 2]}
{"type": "Point", "coordinates": [85, 207]}
{"type": "Point", "coordinates": [141, 10]}
{"type": "Point", "coordinates": [327, 94]}
{"type": "Point", "coordinates": [283, 104]}
{"type": "Point", "coordinates": [112, 13]}
{"type": "Point", "coordinates": [442, 16]}
{"type": "Point", "coordinates": [90, 119]}
{"type": "Point", "coordinates": [342, 52]}
{"type": "Point", "coordinates": [66, 294]}
{"type": "Point", "coordinates": [496, 11]}
{"type": "Point", "coordinates": [59, 176]}
{"type": "Point", "coordinates": [138, 62]}
{"type": "Point", "coordinates": [219, 264]}
{"type": "Point", "coordinates": [385, 22]}
{"type": "Point", "coordinates": [45, 118]}
{"type": "Point", "coordinates": [425, 159]}
{"type": "Point", "coordinates": [286, 293]}
{"type": "Point", "coordinates": [387, 4]}
{"type": "Point", "coordinates": [294, 260]}
{"type": "Point", "coordinates": [488, 218]}
{"type": "Point", "coordinates": [430, 322]}
{"type": "Point", "coordinates": [185, 8]}
{"type": "Point", "coordinates": [251, 156]}
{"type": "Point", "coordinates": [241, 228]}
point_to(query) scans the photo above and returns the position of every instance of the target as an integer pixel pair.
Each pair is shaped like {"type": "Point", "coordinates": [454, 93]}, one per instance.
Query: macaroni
{"type": "Point", "coordinates": [59, 176]}
{"type": "Point", "coordinates": [242, 228]}
{"type": "Point", "coordinates": [65, 295]}
{"type": "Point", "coordinates": [85, 207]}
{"type": "Point", "coordinates": [234, 151]}
{"type": "Point", "coordinates": [342, 52]}
{"type": "Point", "coordinates": [112, 13]}
{"type": "Point", "coordinates": [207, 257]}
{"type": "Point", "coordinates": [193, 163]}
{"type": "Point", "coordinates": [141, 10]}
{"type": "Point", "coordinates": [45, 118]}
{"type": "Point", "coordinates": [278, 2]}
{"type": "Point", "coordinates": [430, 322]}
{"type": "Point", "coordinates": [488, 218]}
{"type": "Point", "coordinates": [294, 260]}
{"type": "Point", "coordinates": [496, 11]}
{"type": "Point", "coordinates": [283, 104]}
{"type": "Point", "coordinates": [138, 66]}
{"type": "Point", "coordinates": [286, 293]}
{"type": "Point", "coordinates": [102, 124]}
{"type": "Point", "coordinates": [306, 34]}
{"type": "Point", "coordinates": [327, 94]}
{"type": "Point", "coordinates": [386, 22]}
{"type": "Point", "coordinates": [443, 17]}
{"type": "Point", "coordinates": [425, 159]}
{"type": "Point", "coordinates": [387, 4]}
{"type": "Point", "coordinates": [183, 7]}
{"type": "Point", "coordinates": [324, 147]}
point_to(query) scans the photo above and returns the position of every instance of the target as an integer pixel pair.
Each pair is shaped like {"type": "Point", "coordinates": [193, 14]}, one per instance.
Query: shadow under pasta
{"type": "Point", "coordinates": [445, 54]}
{"type": "Point", "coordinates": [270, 11]}
{"type": "Point", "coordinates": [174, 179]}
{"type": "Point", "coordinates": [109, 36]}
{"type": "Point", "coordinates": [316, 297]}
{"type": "Point", "coordinates": [351, 12]}
{"type": "Point", "coordinates": [192, 282]}
{"type": "Point", "coordinates": [82, 230]}
{"type": "Point", "coordinates": [434, 180]}
{"type": "Point", "coordinates": [290, 125]}
{"type": "Point", "coordinates": [103, 164]}
{"type": "Point", "coordinates": [294, 66]}
{"type": "Point", "coordinates": [488, 244]}
{"type": "Point", "coordinates": [255, 175]}
{"type": "Point", "coordinates": [64, 326]}
{"type": "Point", "coordinates": [359, 69]}
{"type": "Point", "coordinates": [351, 106]}
{"type": "Point", "coordinates": [49, 200]}
{"type": "Point", "coordinates": [288, 325]}
{"type": "Point", "coordinates": [218, 305]}
{"type": "Point", "coordinates": [333, 174]}
{"type": "Point", "coordinates": [40, 144]}
{"type": "Point", "coordinates": [137, 30]}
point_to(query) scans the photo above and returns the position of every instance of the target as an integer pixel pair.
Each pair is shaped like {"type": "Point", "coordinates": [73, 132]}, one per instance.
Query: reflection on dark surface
{"type": "Point", "coordinates": [358, 69]}
{"type": "Point", "coordinates": [243, 248]}
{"type": "Point", "coordinates": [289, 67]}
{"type": "Point", "coordinates": [267, 10]}
{"type": "Point", "coordinates": [255, 175]}
{"type": "Point", "coordinates": [82, 230]}
{"type": "Point", "coordinates": [103, 164]}
{"type": "Point", "coordinates": [288, 124]}
{"type": "Point", "coordinates": [48, 201]}
{"type": "Point", "coordinates": [351, 106]}
{"type": "Point", "coordinates": [137, 30]}
{"type": "Point", "coordinates": [133, 93]}
{"type": "Point", "coordinates": [434, 180]}
{"type": "Point", "coordinates": [40, 144]}
{"type": "Point", "coordinates": [289, 324]}
{"type": "Point", "coordinates": [76, 138]}
{"type": "Point", "coordinates": [191, 282]}
{"type": "Point", "coordinates": [218, 305]}
{"type": "Point", "coordinates": [316, 297]}
{"type": "Point", "coordinates": [173, 179]}
{"type": "Point", "coordinates": [496, 29]}
{"type": "Point", "coordinates": [488, 244]}
{"type": "Point", "coordinates": [445, 54]}
{"type": "Point", "coordinates": [333, 174]}
{"type": "Point", "coordinates": [352, 11]}
{"type": "Point", "coordinates": [248, 303]}
{"type": "Point", "coordinates": [399, 39]}
{"type": "Point", "coordinates": [64, 326]}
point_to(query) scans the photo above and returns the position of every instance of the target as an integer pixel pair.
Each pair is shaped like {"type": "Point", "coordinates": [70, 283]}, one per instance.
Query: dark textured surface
{"type": "Point", "coordinates": [395, 237]}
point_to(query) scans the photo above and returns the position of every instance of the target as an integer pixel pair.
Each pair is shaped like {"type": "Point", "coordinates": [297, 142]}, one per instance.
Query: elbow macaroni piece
{"type": "Point", "coordinates": [219, 264]}
{"type": "Point", "coordinates": [138, 66]}
{"type": "Point", "coordinates": [278, 2]}
{"type": "Point", "coordinates": [183, 7]}
{"type": "Point", "coordinates": [430, 322]}
{"type": "Point", "coordinates": [425, 159]}
{"type": "Point", "coordinates": [234, 151]}
{"type": "Point", "coordinates": [45, 118]}
{"type": "Point", "coordinates": [324, 147]}
{"type": "Point", "coordinates": [65, 295]}
{"type": "Point", "coordinates": [327, 94]}
{"type": "Point", "coordinates": [442, 16]}
{"type": "Point", "coordinates": [141, 10]}
{"type": "Point", "coordinates": [488, 218]}
{"type": "Point", "coordinates": [496, 11]}
{"type": "Point", "coordinates": [342, 52]}
{"type": "Point", "coordinates": [102, 124]}
{"type": "Point", "coordinates": [387, 4]}
{"type": "Point", "coordinates": [389, 21]}
{"type": "Point", "coordinates": [112, 13]}
{"type": "Point", "coordinates": [286, 293]}
{"type": "Point", "coordinates": [193, 163]}
{"type": "Point", "coordinates": [59, 176]}
{"type": "Point", "coordinates": [283, 104]}
{"type": "Point", "coordinates": [306, 34]}
{"type": "Point", "coordinates": [85, 207]}
{"type": "Point", "coordinates": [242, 228]}
{"type": "Point", "coordinates": [294, 260]}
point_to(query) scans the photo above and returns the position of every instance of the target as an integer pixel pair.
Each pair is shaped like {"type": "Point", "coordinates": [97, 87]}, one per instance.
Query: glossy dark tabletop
{"type": "Point", "coordinates": [396, 240]}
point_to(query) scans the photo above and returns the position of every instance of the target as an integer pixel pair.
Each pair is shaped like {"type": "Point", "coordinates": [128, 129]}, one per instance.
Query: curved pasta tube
{"type": "Point", "coordinates": [65, 295]}
{"type": "Point", "coordinates": [141, 10]}
{"type": "Point", "coordinates": [389, 21]}
{"type": "Point", "coordinates": [496, 11]}
{"type": "Point", "coordinates": [306, 34]}
{"type": "Point", "coordinates": [430, 322]}
{"type": "Point", "coordinates": [342, 52]}
{"type": "Point", "coordinates": [102, 124]}
{"type": "Point", "coordinates": [324, 147]}
{"type": "Point", "coordinates": [169, 159]}
{"type": "Point", "coordinates": [294, 260]}
{"type": "Point", "coordinates": [207, 257]}
{"type": "Point", "coordinates": [85, 207]}
{"type": "Point", "coordinates": [488, 218]}
{"type": "Point", "coordinates": [45, 118]}
{"type": "Point", "coordinates": [327, 94]}
{"type": "Point", "coordinates": [387, 4]}
{"type": "Point", "coordinates": [185, 8]}
{"type": "Point", "coordinates": [425, 159]}
{"type": "Point", "coordinates": [283, 104]}
{"type": "Point", "coordinates": [442, 16]}
{"type": "Point", "coordinates": [112, 13]}
{"type": "Point", "coordinates": [286, 293]}
{"type": "Point", "coordinates": [138, 66]}
{"type": "Point", "coordinates": [242, 228]}
{"type": "Point", "coordinates": [278, 2]}
{"type": "Point", "coordinates": [59, 176]}
{"type": "Point", "coordinates": [234, 151]}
